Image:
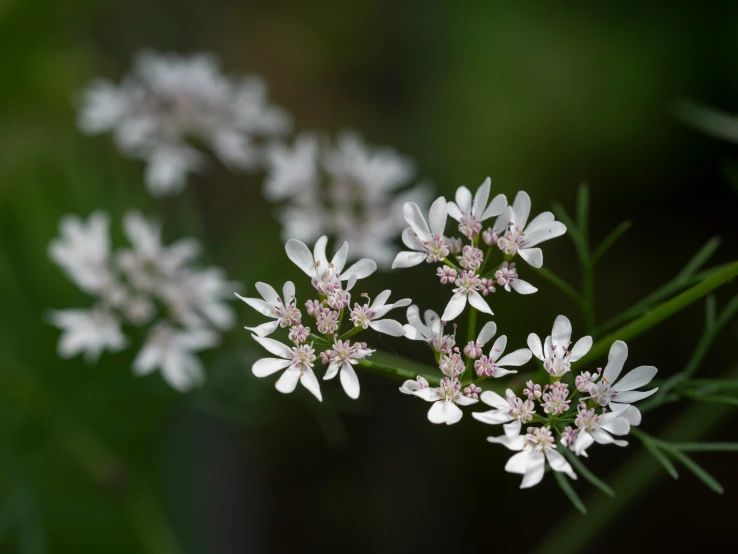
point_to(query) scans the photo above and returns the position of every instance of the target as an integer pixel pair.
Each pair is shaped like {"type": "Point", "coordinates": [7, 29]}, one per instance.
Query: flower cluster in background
{"type": "Point", "coordinates": [170, 103]}
{"type": "Point", "coordinates": [349, 190]}
{"type": "Point", "coordinates": [145, 285]}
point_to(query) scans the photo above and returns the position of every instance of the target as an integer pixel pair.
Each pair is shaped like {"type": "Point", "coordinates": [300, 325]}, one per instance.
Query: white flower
{"type": "Point", "coordinates": [167, 100]}
{"type": "Point", "coordinates": [510, 410]}
{"type": "Point", "coordinates": [197, 298]}
{"type": "Point", "coordinates": [515, 237]}
{"type": "Point", "coordinates": [473, 350]}
{"type": "Point", "coordinates": [471, 213]}
{"type": "Point", "coordinates": [87, 331]}
{"type": "Point", "coordinates": [292, 172]}
{"type": "Point", "coordinates": [343, 356]}
{"type": "Point", "coordinates": [445, 399]}
{"type": "Point", "coordinates": [325, 276]}
{"type": "Point", "coordinates": [534, 449]}
{"type": "Point", "coordinates": [618, 396]}
{"type": "Point", "coordinates": [467, 288]}
{"type": "Point", "coordinates": [426, 242]}
{"type": "Point", "coordinates": [431, 331]}
{"type": "Point", "coordinates": [371, 315]}
{"type": "Point", "coordinates": [599, 428]}
{"type": "Point", "coordinates": [411, 386]}
{"type": "Point", "coordinates": [507, 277]}
{"type": "Point", "coordinates": [283, 310]}
{"type": "Point", "coordinates": [555, 353]}
{"type": "Point", "coordinates": [494, 365]}
{"type": "Point", "coordinates": [171, 351]}
{"type": "Point", "coordinates": [298, 361]}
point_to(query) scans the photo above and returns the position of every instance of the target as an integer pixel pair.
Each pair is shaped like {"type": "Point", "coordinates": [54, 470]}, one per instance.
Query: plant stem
{"type": "Point", "coordinates": [660, 313]}
{"type": "Point", "coordinates": [401, 372]}
{"type": "Point", "coordinates": [136, 500]}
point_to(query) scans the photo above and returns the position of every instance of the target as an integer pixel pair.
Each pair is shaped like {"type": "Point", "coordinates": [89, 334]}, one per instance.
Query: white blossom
{"type": "Point", "coordinates": [371, 315]}
{"type": "Point", "coordinates": [283, 310]}
{"type": "Point", "coordinates": [297, 362]}
{"type": "Point", "coordinates": [430, 331]}
{"type": "Point", "coordinates": [169, 99]}
{"type": "Point", "coordinates": [341, 359]}
{"type": "Point", "coordinates": [592, 427]}
{"type": "Point", "coordinates": [471, 213]}
{"type": "Point", "coordinates": [425, 239]}
{"type": "Point", "coordinates": [411, 386]}
{"type": "Point", "coordinates": [518, 236]}
{"type": "Point", "coordinates": [495, 364]}
{"type": "Point", "coordinates": [467, 288]}
{"type": "Point", "coordinates": [554, 352]}
{"type": "Point", "coordinates": [446, 401]}
{"type": "Point", "coordinates": [510, 410]}
{"type": "Point", "coordinates": [88, 332]}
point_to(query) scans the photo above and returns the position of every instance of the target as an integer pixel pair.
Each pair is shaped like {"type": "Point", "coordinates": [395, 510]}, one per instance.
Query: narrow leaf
{"type": "Point", "coordinates": [565, 287]}
{"type": "Point", "coordinates": [583, 210]}
{"type": "Point", "coordinates": [705, 446]}
{"type": "Point", "coordinates": [698, 471]}
{"type": "Point", "coordinates": [611, 239]}
{"type": "Point", "coordinates": [700, 258]}
{"type": "Point", "coordinates": [570, 492]}
{"type": "Point", "coordinates": [660, 457]}
{"type": "Point", "coordinates": [584, 471]}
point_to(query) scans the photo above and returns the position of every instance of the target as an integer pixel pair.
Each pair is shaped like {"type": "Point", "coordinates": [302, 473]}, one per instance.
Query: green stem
{"type": "Point", "coordinates": [400, 372]}
{"type": "Point", "coordinates": [662, 312]}
{"type": "Point", "coordinates": [135, 499]}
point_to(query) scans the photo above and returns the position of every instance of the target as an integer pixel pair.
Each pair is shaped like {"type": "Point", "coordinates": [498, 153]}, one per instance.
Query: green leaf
{"type": "Point", "coordinates": [705, 446]}
{"type": "Point", "coordinates": [583, 211]}
{"type": "Point", "coordinates": [654, 449]}
{"type": "Point", "coordinates": [696, 469]}
{"type": "Point", "coordinates": [582, 470]}
{"type": "Point", "coordinates": [712, 399]}
{"type": "Point", "coordinates": [611, 239]}
{"type": "Point", "coordinates": [570, 492]}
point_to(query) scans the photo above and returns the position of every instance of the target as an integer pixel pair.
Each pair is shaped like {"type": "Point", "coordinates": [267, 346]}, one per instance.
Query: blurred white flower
{"type": "Point", "coordinates": [166, 101]}
{"type": "Point", "coordinates": [351, 191]}
{"type": "Point", "coordinates": [146, 283]}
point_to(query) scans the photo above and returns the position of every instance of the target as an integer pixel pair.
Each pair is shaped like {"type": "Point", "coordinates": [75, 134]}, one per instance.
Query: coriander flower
{"type": "Point", "coordinates": [534, 449]}
{"type": "Point", "coordinates": [411, 386]}
{"type": "Point", "coordinates": [555, 353]}
{"type": "Point", "coordinates": [325, 276]}
{"type": "Point", "coordinates": [284, 315]}
{"type": "Point", "coordinates": [467, 288]}
{"type": "Point", "coordinates": [343, 356]}
{"type": "Point", "coordinates": [446, 401]}
{"type": "Point", "coordinates": [425, 239]}
{"type": "Point", "coordinates": [371, 315]}
{"type": "Point", "coordinates": [507, 277]}
{"type": "Point", "coordinates": [471, 213]}
{"type": "Point", "coordinates": [510, 410]}
{"type": "Point", "coordinates": [88, 331]}
{"type": "Point", "coordinates": [431, 331]}
{"type": "Point", "coordinates": [515, 237]}
{"type": "Point", "coordinates": [473, 350]}
{"type": "Point", "coordinates": [297, 362]}
{"type": "Point", "coordinates": [592, 427]}
{"type": "Point", "coordinates": [618, 396]}
{"type": "Point", "coordinates": [494, 365]}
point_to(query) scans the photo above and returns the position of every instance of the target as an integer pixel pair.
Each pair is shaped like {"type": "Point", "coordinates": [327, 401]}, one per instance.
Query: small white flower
{"type": "Point", "coordinates": [446, 401]}
{"type": "Point", "coordinates": [507, 277]}
{"type": "Point", "coordinates": [292, 172]}
{"type": "Point", "coordinates": [325, 276]}
{"type": "Point", "coordinates": [534, 449]}
{"type": "Point", "coordinates": [467, 289]}
{"type": "Point", "coordinates": [618, 396]}
{"type": "Point", "coordinates": [298, 361]}
{"type": "Point", "coordinates": [343, 356]}
{"type": "Point", "coordinates": [494, 365]}
{"type": "Point", "coordinates": [510, 410]}
{"type": "Point", "coordinates": [171, 351]}
{"type": "Point", "coordinates": [283, 310]}
{"type": "Point", "coordinates": [426, 242]}
{"type": "Point", "coordinates": [555, 353]}
{"type": "Point", "coordinates": [90, 332]}
{"type": "Point", "coordinates": [517, 238]}
{"type": "Point", "coordinates": [471, 213]}
{"type": "Point", "coordinates": [431, 331]}
{"type": "Point", "coordinates": [371, 315]}
{"type": "Point", "coordinates": [473, 350]}
{"type": "Point", "coordinates": [599, 428]}
{"type": "Point", "coordinates": [410, 386]}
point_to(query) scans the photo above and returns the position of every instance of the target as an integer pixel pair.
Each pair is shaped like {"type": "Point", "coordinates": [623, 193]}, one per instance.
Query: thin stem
{"type": "Point", "coordinates": [394, 371]}
{"type": "Point", "coordinates": [610, 240]}
{"type": "Point", "coordinates": [135, 499]}
{"type": "Point", "coordinates": [565, 287]}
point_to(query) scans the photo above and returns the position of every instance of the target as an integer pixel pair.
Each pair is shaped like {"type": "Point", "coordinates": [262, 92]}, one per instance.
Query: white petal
{"type": "Point", "coordinates": [454, 307]}
{"type": "Point", "coordinates": [630, 413]}
{"type": "Point", "coordinates": [627, 397]}
{"type": "Point", "coordinates": [523, 287]}
{"type": "Point", "coordinates": [517, 358]}
{"type": "Point", "coordinates": [498, 348]}
{"type": "Point", "coordinates": [561, 333]}
{"type": "Point", "coordinates": [381, 299]}
{"type": "Point", "coordinates": [487, 332]}
{"type": "Point", "coordinates": [362, 269]}
{"type": "Point", "coordinates": [544, 233]}
{"type": "Point", "coordinates": [288, 292]}
{"type": "Point", "coordinates": [388, 327]}
{"type": "Point", "coordinates": [559, 463]}
{"type": "Point", "coordinates": [264, 329]}
{"type": "Point", "coordinates": [491, 398]}
{"type": "Point", "coordinates": [464, 199]}
{"type": "Point", "coordinates": [415, 219]}
{"type": "Point", "coordinates": [615, 360]}
{"type": "Point", "coordinates": [512, 429]}
{"type": "Point", "coordinates": [332, 371]}
{"type": "Point", "coordinates": [581, 347]}
{"type": "Point", "coordinates": [453, 211]}
{"type": "Point", "coordinates": [636, 378]}
{"type": "Point", "coordinates": [268, 293]}
{"type": "Point", "coordinates": [519, 462]}
{"type": "Point", "coordinates": [411, 240]}
{"type": "Point", "coordinates": [481, 198]}
{"type": "Point", "coordinates": [319, 254]}
{"type": "Point", "coordinates": [502, 222]}
{"type": "Point", "coordinates": [339, 260]}
{"type": "Point", "coordinates": [437, 412]}
{"type": "Point", "coordinates": [437, 216]}
{"type": "Point", "coordinates": [258, 304]}
{"type": "Point", "coordinates": [408, 259]}
{"type": "Point", "coordinates": [534, 343]}
{"type": "Point", "coordinates": [476, 300]}
{"type": "Point", "coordinates": [300, 255]}
{"type": "Point", "coordinates": [267, 366]}
{"type": "Point", "coordinates": [534, 474]}
{"type": "Point", "coordinates": [521, 207]}
{"type": "Point", "coordinates": [496, 207]}
{"type": "Point", "coordinates": [584, 441]}
{"type": "Point", "coordinates": [614, 424]}
{"type": "Point", "coordinates": [288, 381]}
{"type": "Point", "coordinates": [428, 394]}
{"type": "Point", "coordinates": [453, 413]}
{"type": "Point", "coordinates": [539, 221]}
{"type": "Point", "coordinates": [350, 381]}
{"type": "Point", "coordinates": [466, 401]}
{"type": "Point", "coordinates": [492, 417]}
{"type": "Point", "coordinates": [310, 382]}
{"type": "Point", "coordinates": [512, 444]}
{"type": "Point", "coordinates": [534, 256]}
{"type": "Point", "coordinates": [274, 347]}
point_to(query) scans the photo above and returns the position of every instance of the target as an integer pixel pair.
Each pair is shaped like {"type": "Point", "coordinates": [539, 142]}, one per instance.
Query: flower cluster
{"type": "Point", "coordinates": [350, 190]}
{"type": "Point", "coordinates": [330, 310]}
{"type": "Point", "coordinates": [466, 266]}
{"type": "Point", "coordinates": [146, 284]}
{"type": "Point", "coordinates": [168, 100]}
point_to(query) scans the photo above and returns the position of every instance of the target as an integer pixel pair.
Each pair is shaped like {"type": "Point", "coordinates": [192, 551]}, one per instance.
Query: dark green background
{"type": "Point", "coordinates": [538, 96]}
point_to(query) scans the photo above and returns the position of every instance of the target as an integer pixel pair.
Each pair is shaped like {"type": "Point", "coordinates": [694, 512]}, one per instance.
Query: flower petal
{"type": "Point", "coordinates": [288, 292]}
{"type": "Point", "coordinates": [362, 269]}
{"type": "Point", "coordinates": [264, 329]}
{"type": "Point", "coordinates": [310, 382]}
{"type": "Point", "coordinates": [437, 216]}
{"type": "Point", "coordinates": [561, 332]}
{"type": "Point", "coordinates": [523, 287]}
{"type": "Point", "coordinates": [487, 332]}
{"type": "Point", "coordinates": [491, 398]}
{"type": "Point", "coordinates": [481, 197]}
{"type": "Point", "coordinates": [268, 293]}
{"type": "Point", "coordinates": [339, 260]}
{"type": "Point", "coordinates": [428, 394]}
{"type": "Point", "coordinates": [288, 381]}
{"type": "Point", "coordinates": [636, 378]}
{"type": "Point", "coordinates": [519, 462]}
{"type": "Point", "coordinates": [454, 307]}
{"type": "Point", "coordinates": [492, 417]}
{"type": "Point", "coordinates": [521, 207]}
{"type": "Point", "coordinates": [258, 304]}
{"type": "Point", "coordinates": [536, 348]}
{"type": "Point", "coordinates": [581, 347]}
{"type": "Point", "coordinates": [517, 358]}
{"type": "Point", "coordinates": [319, 251]}
{"type": "Point", "coordinates": [415, 219]}
{"type": "Point", "coordinates": [498, 348]}
{"type": "Point", "coordinates": [496, 207]}
{"type": "Point", "coordinates": [453, 211]}
{"type": "Point", "coordinates": [559, 463]}
{"type": "Point", "coordinates": [274, 347]}
{"type": "Point", "coordinates": [464, 199]}
{"type": "Point", "coordinates": [628, 397]}
{"type": "Point", "coordinates": [300, 255]}
{"type": "Point", "coordinates": [584, 441]}
{"type": "Point", "coordinates": [408, 259]}
{"type": "Point", "coordinates": [388, 327]}
{"type": "Point", "coordinates": [349, 381]}
{"type": "Point", "coordinates": [534, 256]}
{"type": "Point", "coordinates": [615, 360]}
{"type": "Point", "coordinates": [466, 401]}
{"type": "Point", "coordinates": [535, 471]}
{"type": "Point", "coordinates": [411, 240]}
{"type": "Point", "coordinates": [544, 233]}
{"type": "Point", "coordinates": [476, 300]}
{"type": "Point", "coordinates": [267, 366]}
